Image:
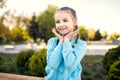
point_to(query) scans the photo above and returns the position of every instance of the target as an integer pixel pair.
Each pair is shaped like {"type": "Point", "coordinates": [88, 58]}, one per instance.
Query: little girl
{"type": "Point", "coordinates": [65, 51]}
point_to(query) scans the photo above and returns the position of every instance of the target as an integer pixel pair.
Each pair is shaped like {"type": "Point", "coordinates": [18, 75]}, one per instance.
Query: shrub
{"type": "Point", "coordinates": [38, 62]}
{"type": "Point", "coordinates": [0, 60]}
{"type": "Point", "coordinates": [7, 64]}
{"type": "Point", "coordinates": [110, 57]}
{"type": "Point", "coordinates": [92, 68]}
{"type": "Point", "coordinates": [114, 72]}
{"type": "Point", "coordinates": [23, 59]}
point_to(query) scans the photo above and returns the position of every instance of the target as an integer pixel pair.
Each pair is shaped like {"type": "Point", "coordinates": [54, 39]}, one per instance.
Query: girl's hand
{"type": "Point", "coordinates": [60, 37]}
{"type": "Point", "coordinates": [71, 35]}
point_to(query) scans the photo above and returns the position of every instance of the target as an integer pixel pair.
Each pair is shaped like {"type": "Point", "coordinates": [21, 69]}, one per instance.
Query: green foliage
{"type": "Point", "coordinates": [0, 60]}
{"type": "Point", "coordinates": [4, 32]}
{"type": "Point", "coordinates": [33, 28]}
{"type": "Point", "coordinates": [90, 33]}
{"type": "Point", "coordinates": [8, 63]}
{"type": "Point", "coordinates": [23, 59]}
{"type": "Point", "coordinates": [19, 34]}
{"type": "Point", "coordinates": [38, 62]}
{"type": "Point", "coordinates": [92, 68]}
{"type": "Point", "coordinates": [46, 22]}
{"type": "Point", "coordinates": [104, 34]}
{"type": "Point", "coordinates": [97, 35]}
{"type": "Point", "coordinates": [83, 33]}
{"type": "Point", "coordinates": [25, 35]}
{"type": "Point", "coordinates": [114, 72]}
{"type": "Point", "coordinates": [110, 57]}
{"type": "Point", "coordinates": [113, 36]}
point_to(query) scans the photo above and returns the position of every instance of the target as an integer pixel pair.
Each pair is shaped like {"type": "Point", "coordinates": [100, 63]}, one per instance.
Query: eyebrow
{"type": "Point", "coordinates": [58, 19]}
{"type": "Point", "coordinates": [65, 18]}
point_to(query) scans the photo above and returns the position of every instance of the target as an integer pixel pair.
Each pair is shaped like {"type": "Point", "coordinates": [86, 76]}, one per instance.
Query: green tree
{"type": "Point", "coordinates": [90, 33]}
{"type": "Point", "coordinates": [113, 36]}
{"type": "Point", "coordinates": [2, 27]}
{"type": "Point", "coordinates": [97, 35]}
{"type": "Point", "coordinates": [104, 34]}
{"type": "Point", "coordinates": [83, 33]}
{"type": "Point", "coordinates": [19, 34]}
{"type": "Point", "coordinates": [33, 28]}
{"type": "Point", "coordinates": [46, 22]}
{"type": "Point", "coordinates": [4, 31]}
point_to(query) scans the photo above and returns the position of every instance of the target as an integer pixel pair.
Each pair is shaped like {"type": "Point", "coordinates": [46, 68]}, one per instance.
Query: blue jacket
{"type": "Point", "coordinates": [63, 61]}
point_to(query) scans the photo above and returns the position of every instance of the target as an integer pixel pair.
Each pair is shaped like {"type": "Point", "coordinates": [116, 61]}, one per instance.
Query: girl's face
{"type": "Point", "coordinates": [64, 22]}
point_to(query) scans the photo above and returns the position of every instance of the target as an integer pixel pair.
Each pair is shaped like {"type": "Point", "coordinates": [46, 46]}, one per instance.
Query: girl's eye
{"type": "Point", "coordinates": [65, 20]}
{"type": "Point", "coordinates": [57, 21]}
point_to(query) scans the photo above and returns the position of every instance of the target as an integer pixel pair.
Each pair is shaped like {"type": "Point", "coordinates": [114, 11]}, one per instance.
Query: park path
{"type": "Point", "coordinates": [92, 49]}
{"type": "Point", "coordinates": [99, 49]}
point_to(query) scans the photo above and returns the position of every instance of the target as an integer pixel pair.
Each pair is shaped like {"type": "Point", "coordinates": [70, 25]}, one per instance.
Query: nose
{"type": "Point", "coordinates": [61, 24]}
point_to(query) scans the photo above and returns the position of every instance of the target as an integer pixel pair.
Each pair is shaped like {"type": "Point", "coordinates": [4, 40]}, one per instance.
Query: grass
{"type": "Point", "coordinates": [92, 66]}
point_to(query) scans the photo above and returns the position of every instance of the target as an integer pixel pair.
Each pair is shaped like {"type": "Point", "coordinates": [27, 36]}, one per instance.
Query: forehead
{"type": "Point", "coordinates": [63, 14]}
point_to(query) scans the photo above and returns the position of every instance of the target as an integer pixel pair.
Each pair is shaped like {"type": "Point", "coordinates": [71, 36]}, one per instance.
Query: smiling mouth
{"type": "Point", "coordinates": [62, 28]}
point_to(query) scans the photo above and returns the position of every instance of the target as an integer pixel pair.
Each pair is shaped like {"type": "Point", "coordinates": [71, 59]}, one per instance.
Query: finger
{"type": "Point", "coordinates": [75, 33]}
{"type": "Point", "coordinates": [78, 29]}
{"type": "Point", "coordinates": [54, 31]}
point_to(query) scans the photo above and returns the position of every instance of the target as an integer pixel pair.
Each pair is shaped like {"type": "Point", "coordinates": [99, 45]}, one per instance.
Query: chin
{"type": "Point", "coordinates": [63, 33]}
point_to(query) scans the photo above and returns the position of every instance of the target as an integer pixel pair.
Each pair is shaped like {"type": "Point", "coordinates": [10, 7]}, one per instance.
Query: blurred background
{"type": "Point", "coordinates": [26, 25]}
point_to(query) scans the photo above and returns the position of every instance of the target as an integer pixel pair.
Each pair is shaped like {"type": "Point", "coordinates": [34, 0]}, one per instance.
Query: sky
{"type": "Point", "coordinates": [97, 14]}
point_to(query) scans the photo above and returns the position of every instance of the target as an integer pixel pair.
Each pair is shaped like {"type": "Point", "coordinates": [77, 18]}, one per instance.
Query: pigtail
{"type": "Point", "coordinates": [77, 37]}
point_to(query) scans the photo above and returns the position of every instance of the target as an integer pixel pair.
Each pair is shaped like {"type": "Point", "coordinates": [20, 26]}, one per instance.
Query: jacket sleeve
{"type": "Point", "coordinates": [54, 54]}
{"type": "Point", "coordinates": [73, 56]}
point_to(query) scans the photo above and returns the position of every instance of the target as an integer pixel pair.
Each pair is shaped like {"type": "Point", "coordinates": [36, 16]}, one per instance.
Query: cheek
{"type": "Point", "coordinates": [71, 29]}
{"type": "Point", "coordinates": [56, 27]}
{"type": "Point", "coordinates": [71, 26]}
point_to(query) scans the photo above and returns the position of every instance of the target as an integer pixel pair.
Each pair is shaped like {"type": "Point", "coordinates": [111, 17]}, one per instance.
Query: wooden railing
{"type": "Point", "coordinates": [6, 76]}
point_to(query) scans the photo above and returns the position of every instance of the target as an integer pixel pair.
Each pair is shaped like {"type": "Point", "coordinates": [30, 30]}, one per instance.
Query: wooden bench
{"type": "Point", "coordinates": [6, 76]}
